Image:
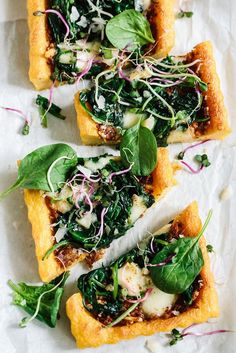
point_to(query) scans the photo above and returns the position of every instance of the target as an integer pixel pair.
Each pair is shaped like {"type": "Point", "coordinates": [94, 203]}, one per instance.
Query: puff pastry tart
{"type": "Point", "coordinates": [178, 98]}
{"type": "Point", "coordinates": [99, 202]}
{"type": "Point", "coordinates": [164, 283]}
{"type": "Point", "coordinates": [68, 38]}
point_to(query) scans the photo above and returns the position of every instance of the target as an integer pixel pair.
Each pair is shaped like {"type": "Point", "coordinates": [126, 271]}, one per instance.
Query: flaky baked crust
{"type": "Point", "coordinates": [39, 214]}
{"type": "Point", "coordinates": [162, 20]}
{"type": "Point", "coordinates": [161, 17]}
{"type": "Point", "coordinates": [40, 70]}
{"type": "Point", "coordinates": [218, 126]}
{"type": "Point", "coordinates": [89, 332]}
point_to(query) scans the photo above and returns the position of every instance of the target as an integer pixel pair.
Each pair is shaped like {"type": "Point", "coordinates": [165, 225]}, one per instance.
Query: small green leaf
{"type": "Point", "coordinates": [139, 148]}
{"type": "Point", "coordinates": [33, 169]}
{"type": "Point", "coordinates": [210, 248]}
{"type": "Point", "coordinates": [41, 302]}
{"type": "Point", "coordinates": [203, 160]}
{"type": "Point", "coordinates": [175, 277]}
{"type": "Point", "coordinates": [130, 30]}
{"type": "Point", "coordinates": [183, 14]}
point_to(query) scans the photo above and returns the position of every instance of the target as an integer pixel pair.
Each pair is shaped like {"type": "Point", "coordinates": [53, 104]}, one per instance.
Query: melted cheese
{"type": "Point", "coordinates": [137, 209]}
{"type": "Point", "coordinates": [158, 302]}
{"type": "Point", "coordinates": [130, 277]}
{"type": "Point", "coordinates": [87, 220]}
{"type": "Point", "coordinates": [149, 123]}
{"type": "Point", "coordinates": [129, 119]}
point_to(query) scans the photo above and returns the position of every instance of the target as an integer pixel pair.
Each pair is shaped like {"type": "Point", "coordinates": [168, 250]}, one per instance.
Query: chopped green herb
{"type": "Point", "coordinates": [41, 302]}
{"type": "Point", "coordinates": [183, 14]}
{"type": "Point", "coordinates": [46, 108]}
{"type": "Point", "coordinates": [203, 160]}
{"type": "Point", "coordinates": [210, 248]}
{"type": "Point", "coordinates": [176, 337]}
{"type": "Point", "coordinates": [181, 155]}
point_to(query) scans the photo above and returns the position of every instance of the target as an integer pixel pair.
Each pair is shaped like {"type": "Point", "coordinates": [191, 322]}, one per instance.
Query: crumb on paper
{"type": "Point", "coordinates": [153, 346]}
{"type": "Point", "coordinates": [226, 193]}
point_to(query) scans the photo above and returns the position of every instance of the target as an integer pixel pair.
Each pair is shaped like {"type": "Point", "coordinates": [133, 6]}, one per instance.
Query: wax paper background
{"type": "Point", "coordinates": [214, 20]}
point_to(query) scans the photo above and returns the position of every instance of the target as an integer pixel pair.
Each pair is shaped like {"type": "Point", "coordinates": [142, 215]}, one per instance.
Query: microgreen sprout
{"type": "Point", "coordinates": [210, 248]}
{"type": "Point", "coordinates": [26, 128]}
{"type": "Point", "coordinates": [40, 13]}
{"type": "Point", "coordinates": [177, 335]}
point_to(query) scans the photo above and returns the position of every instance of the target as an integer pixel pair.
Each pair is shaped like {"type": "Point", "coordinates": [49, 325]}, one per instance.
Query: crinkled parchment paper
{"type": "Point", "coordinates": [212, 19]}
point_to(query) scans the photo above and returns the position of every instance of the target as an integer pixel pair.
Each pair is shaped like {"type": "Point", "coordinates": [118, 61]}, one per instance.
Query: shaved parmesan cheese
{"type": "Point", "coordinates": [87, 172]}
{"type": "Point", "coordinates": [131, 278]}
{"type": "Point", "coordinates": [83, 22]}
{"type": "Point", "coordinates": [67, 58]}
{"type": "Point", "coordinates": [60, 233]}
{"type": "Point", "coordinates": [87, 220]}
{"type": "Point", "coordinates": [158, 302]}
{"type": "Point", "coordinates": [130, 119]}
{"type": "Point", "coordinates": [153, 346]}
{"type": "Point", "coordinates": [74, 16]}
{"type": "Point", "coordinates": [101, 102]}
{"type": "Point", "coordinates": [226, 193]}
{"type": "Point", "coordinates": [83, 57]}
{"type": "Point", "coordinates": [137, 209]}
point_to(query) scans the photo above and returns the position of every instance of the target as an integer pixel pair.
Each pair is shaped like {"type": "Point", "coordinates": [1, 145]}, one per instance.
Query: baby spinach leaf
{"type": "Point", "coordinates": [45, 108]}
{"type": "Point", "coordinates": [129, 30]}
{"type": "Point", "coordinates": [176, 276]}
{"type": "Point", "coordinates": [42, 302]}
{"type": "Point", "coordinates": [139, 148]}
{"type": "Point", "coordinates": [33, 170]}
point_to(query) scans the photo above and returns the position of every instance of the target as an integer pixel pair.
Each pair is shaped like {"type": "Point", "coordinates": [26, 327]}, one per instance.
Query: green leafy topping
{"type": "Point", "coordinates": [54, 247]}
{"type": "Point", "coordinates": [176, 276]}
{"type": "Point", "coordinates": [134, 146]}
{"type": "Point", "coordinates": [210, 248]}
{"type": "Point", "coordinates": [123, 315]}
{"type": "Point", "coordinates": [203, 160]}
{"type": "Point", "coordinates": [33, 169]}
{"type": "Point", "coordinates": [129, 30]}
{"type": "Point", "coordinates": [41, 302]}
{"type": "Point", "coordinates": [176, 337]}
{"type": "Point", "coordinates": [183, 14]}
{"type": "Point", "coordinates": [115, 194]}
{"type": "Point", "coordinates": [46, 108]}
{"type": "Point", "coordinates": [106, 300]}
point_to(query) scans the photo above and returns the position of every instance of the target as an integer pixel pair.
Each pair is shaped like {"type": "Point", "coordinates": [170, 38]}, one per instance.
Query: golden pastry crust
{"type": "Point", "coordinates": [40, 70]}
{"type": "Point", "coordinates": [89, 332]}
{"type": "Point", "coordinates": [39, 214]}
{"type": "Point", "coordinates": [162, 20]}
{"type": "Point", "coordinates": [218, 127]}
{"type": "Point", "coordinates": [162, 23]}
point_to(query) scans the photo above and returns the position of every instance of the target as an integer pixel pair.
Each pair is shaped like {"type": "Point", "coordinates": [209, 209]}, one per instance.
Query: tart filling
{"type": "Point", "coordinates": [124, 292]}
{"type": "Point", "coordinates": [87, 49]}
{"type": "Point", "coordinates": [99, 202]}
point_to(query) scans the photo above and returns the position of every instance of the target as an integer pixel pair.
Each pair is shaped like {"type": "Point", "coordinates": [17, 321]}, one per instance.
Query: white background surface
{"type": "Point", "coordinates": [214, 20]}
